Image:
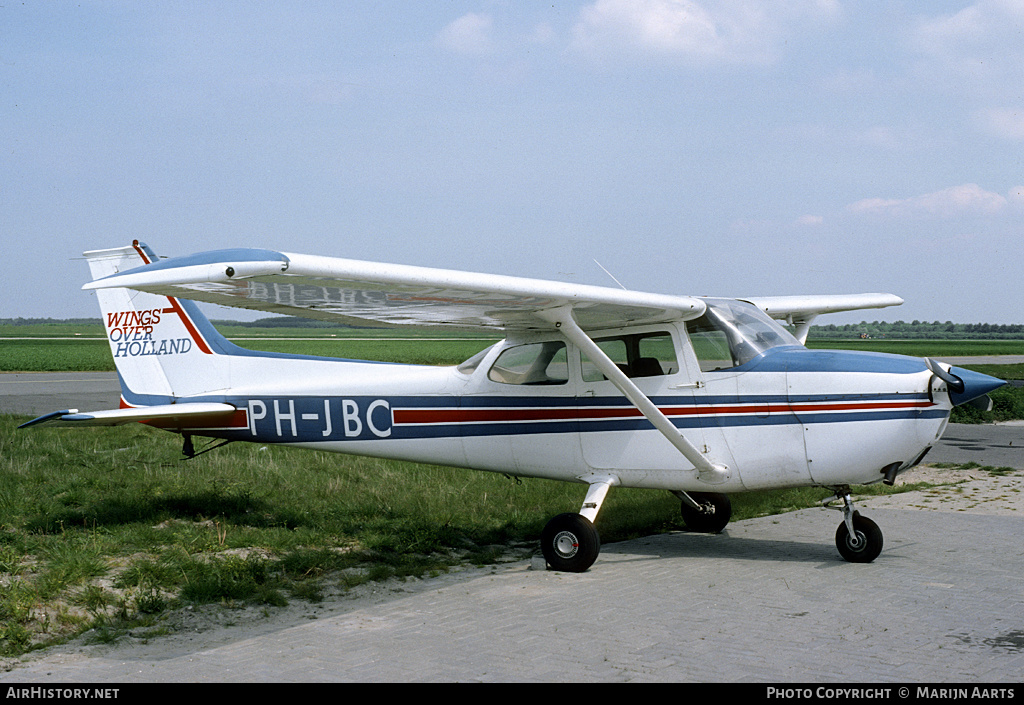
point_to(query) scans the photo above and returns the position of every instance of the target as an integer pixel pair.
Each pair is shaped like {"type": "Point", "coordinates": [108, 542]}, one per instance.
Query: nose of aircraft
{"type": "Point", "coordinates": [965, 385]}
{"type": "Point", "coordinates": [975, 385]}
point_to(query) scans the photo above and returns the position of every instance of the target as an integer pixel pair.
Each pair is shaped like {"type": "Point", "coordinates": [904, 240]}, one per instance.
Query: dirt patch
{"type": "Point", "coordinates": [959, 488]}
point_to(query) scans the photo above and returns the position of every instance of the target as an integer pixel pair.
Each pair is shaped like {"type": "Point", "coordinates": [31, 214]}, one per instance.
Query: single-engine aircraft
{"type": "Point", "coordinates": [606, 387]}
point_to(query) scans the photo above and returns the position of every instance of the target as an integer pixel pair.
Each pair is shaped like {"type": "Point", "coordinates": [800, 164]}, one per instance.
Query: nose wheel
{"type": "Point", "coordinates": [858, 539]}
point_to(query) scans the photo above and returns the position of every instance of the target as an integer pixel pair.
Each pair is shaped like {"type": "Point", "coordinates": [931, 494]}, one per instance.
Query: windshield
{"type": "Point", "coordinates": [732, 333]}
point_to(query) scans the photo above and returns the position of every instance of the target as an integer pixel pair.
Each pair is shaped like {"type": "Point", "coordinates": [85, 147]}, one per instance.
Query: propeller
{"type": "Point", "coordinates": [982, 403]}
{"type": "Point", "coordinates": [966, 386]}
{"type": "Point", "coordinates": [954, 383]}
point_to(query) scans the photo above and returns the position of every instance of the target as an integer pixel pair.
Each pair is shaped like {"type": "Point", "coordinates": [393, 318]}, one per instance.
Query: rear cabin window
{"type": "Point", "coordinates": [637, 355]}
{"type": "Point", "coordinates": [535, 363]}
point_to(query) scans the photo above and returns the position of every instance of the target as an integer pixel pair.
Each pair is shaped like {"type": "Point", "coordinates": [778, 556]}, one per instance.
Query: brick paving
{"type": "Point", "coordinates": [769, 600]}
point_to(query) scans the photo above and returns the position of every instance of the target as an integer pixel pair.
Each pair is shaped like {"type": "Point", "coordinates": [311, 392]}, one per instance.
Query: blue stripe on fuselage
{"type": "Point", "coordinates": [317, 419]}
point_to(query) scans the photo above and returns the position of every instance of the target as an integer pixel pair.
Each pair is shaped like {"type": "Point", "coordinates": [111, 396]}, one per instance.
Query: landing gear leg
{"type": "Point", "coordinates": [570, 542]}
{"type": "Point", "coordinates": [704, 512]}
{"type": "Point", "coordinates": [858, 539]}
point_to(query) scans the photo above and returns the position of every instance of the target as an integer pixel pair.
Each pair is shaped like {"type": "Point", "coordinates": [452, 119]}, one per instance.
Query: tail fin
{"type": "Point", "coordinates": [164, 348]}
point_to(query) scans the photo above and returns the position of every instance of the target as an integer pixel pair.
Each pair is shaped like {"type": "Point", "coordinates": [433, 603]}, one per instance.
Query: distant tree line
{"type": "Point", "coordinates": [919, 329]}
{"type": "Point", "coordinates": [51, 321]}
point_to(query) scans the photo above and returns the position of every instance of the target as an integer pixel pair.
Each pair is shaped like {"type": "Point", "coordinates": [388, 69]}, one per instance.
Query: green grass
{"type": "Point", "coordinates": [430, 347]}
{"type": "Point", "coordinates": [1006, 372]}
{"type": "Point", "coordinates": [922, 348]}
{"type": "Point", "coordinates": [55, 356]}
{"type": "Point", "coordinates": [1007, 405]}
{"type": "Point", "coordinates": [94, 355]}
{"type": "Point", "coordinates": [416, 352]}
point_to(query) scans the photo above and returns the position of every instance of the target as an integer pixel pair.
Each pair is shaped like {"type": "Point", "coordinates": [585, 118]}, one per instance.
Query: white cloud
{"type": "Point", "coordinates": [966, 199]}
{"type": "Point", "coordinates": [470, 34]}
{"type": "Point", "coordinates": [976, 50]}
{"type": "Point", "coordinates": [1005, 123]}
{"type": "Point", "coordinates": [709, 31]}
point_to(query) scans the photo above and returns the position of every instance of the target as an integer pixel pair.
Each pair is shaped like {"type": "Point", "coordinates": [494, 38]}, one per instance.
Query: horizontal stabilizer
{"type": "Point", "coordinates": [162, 415]}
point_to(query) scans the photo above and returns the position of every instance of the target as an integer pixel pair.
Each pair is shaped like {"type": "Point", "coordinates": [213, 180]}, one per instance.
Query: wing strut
{"type": "Point", "coordinates": [564, 321]}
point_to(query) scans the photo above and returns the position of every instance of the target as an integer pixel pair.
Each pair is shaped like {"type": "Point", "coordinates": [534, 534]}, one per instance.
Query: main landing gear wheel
{"type": "Point", "coordinates": [570, 543]}
{"type": "Point", "coordinates": [864, 544]}
{"type": "Point", "coordinates": [711, 517]}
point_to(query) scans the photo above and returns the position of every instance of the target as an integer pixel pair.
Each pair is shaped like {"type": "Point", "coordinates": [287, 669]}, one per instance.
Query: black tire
{"type": "Point", "coordinates": [570, 543]}
{"type": "Point", "coordinates": [866, 543]}
{"type": "Point", "coordinates": [707, 522]}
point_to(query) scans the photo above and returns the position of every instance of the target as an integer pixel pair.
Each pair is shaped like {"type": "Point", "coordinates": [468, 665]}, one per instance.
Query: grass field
{"type": "Point", "coordinates": [92, 355]}
{"type": "Point", "coordinates": [67, 348]}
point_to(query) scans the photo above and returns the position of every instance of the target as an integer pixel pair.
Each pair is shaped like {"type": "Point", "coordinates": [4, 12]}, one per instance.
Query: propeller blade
{"type": "Point", "coordinates": [982, 403]}
{"type": "Point", "coordinates": [954, 383]}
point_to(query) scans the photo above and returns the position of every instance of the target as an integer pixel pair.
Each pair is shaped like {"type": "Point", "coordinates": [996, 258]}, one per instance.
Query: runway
{"type": "Point", "coordinates": [37, 393]}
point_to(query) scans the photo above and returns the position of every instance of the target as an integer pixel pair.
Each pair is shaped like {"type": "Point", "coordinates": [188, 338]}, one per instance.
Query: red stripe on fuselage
{"type": "Point", "coordinates": [512, 415]}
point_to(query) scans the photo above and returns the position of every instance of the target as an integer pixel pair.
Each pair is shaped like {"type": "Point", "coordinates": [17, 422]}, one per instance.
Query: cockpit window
{"type": "Point", "coordinates": [732, 333]}
{"type": "Point", "coordinates": [535, 363]}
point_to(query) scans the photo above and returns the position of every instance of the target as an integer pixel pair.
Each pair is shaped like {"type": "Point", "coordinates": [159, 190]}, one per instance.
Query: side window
{"type": "Point", "coordinates": [661, 348]}
{"type": "Point", "coordinates": [641, 355]}
{"type": "Point", "coordinates": [469, 366]}
{"type": "Point", "coordinates": [710, 345]}
{"type": "Point", "coordinates": [615, 348]}
{"type": "Point", "coordinates": [535, 363]}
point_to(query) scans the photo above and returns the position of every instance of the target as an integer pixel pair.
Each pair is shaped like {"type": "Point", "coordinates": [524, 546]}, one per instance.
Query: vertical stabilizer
{"type": "Point", "coordinates": [163, 348]}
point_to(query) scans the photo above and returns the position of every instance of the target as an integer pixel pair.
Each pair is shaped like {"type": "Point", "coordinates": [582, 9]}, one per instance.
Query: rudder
{"type": "Point", "coordinates": [163, 348]}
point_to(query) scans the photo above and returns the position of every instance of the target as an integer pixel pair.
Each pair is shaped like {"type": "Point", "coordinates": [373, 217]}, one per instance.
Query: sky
{"type": "Point", "coordinates": [707, 147]}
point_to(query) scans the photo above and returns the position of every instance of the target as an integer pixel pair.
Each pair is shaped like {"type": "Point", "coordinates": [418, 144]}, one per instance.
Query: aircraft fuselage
{"type": "Point", "coordinates": [789, 417]}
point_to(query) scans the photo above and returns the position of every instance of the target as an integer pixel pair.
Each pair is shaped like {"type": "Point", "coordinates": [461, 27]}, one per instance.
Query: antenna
{"type": "Point", "coordinates": [610, 274]}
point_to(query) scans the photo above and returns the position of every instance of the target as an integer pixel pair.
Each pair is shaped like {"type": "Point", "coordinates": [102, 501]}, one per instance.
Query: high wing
{"type": "Point", "coordinates": [800, 311]}
{"type": "Point", "coordinates": [372, 293]}
{"type": "Point", "coordinates": [352, 291]}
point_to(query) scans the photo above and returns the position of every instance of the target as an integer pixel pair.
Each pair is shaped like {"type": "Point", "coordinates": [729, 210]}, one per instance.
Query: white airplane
{"type": "Point", "coordinates": [610, 388]}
